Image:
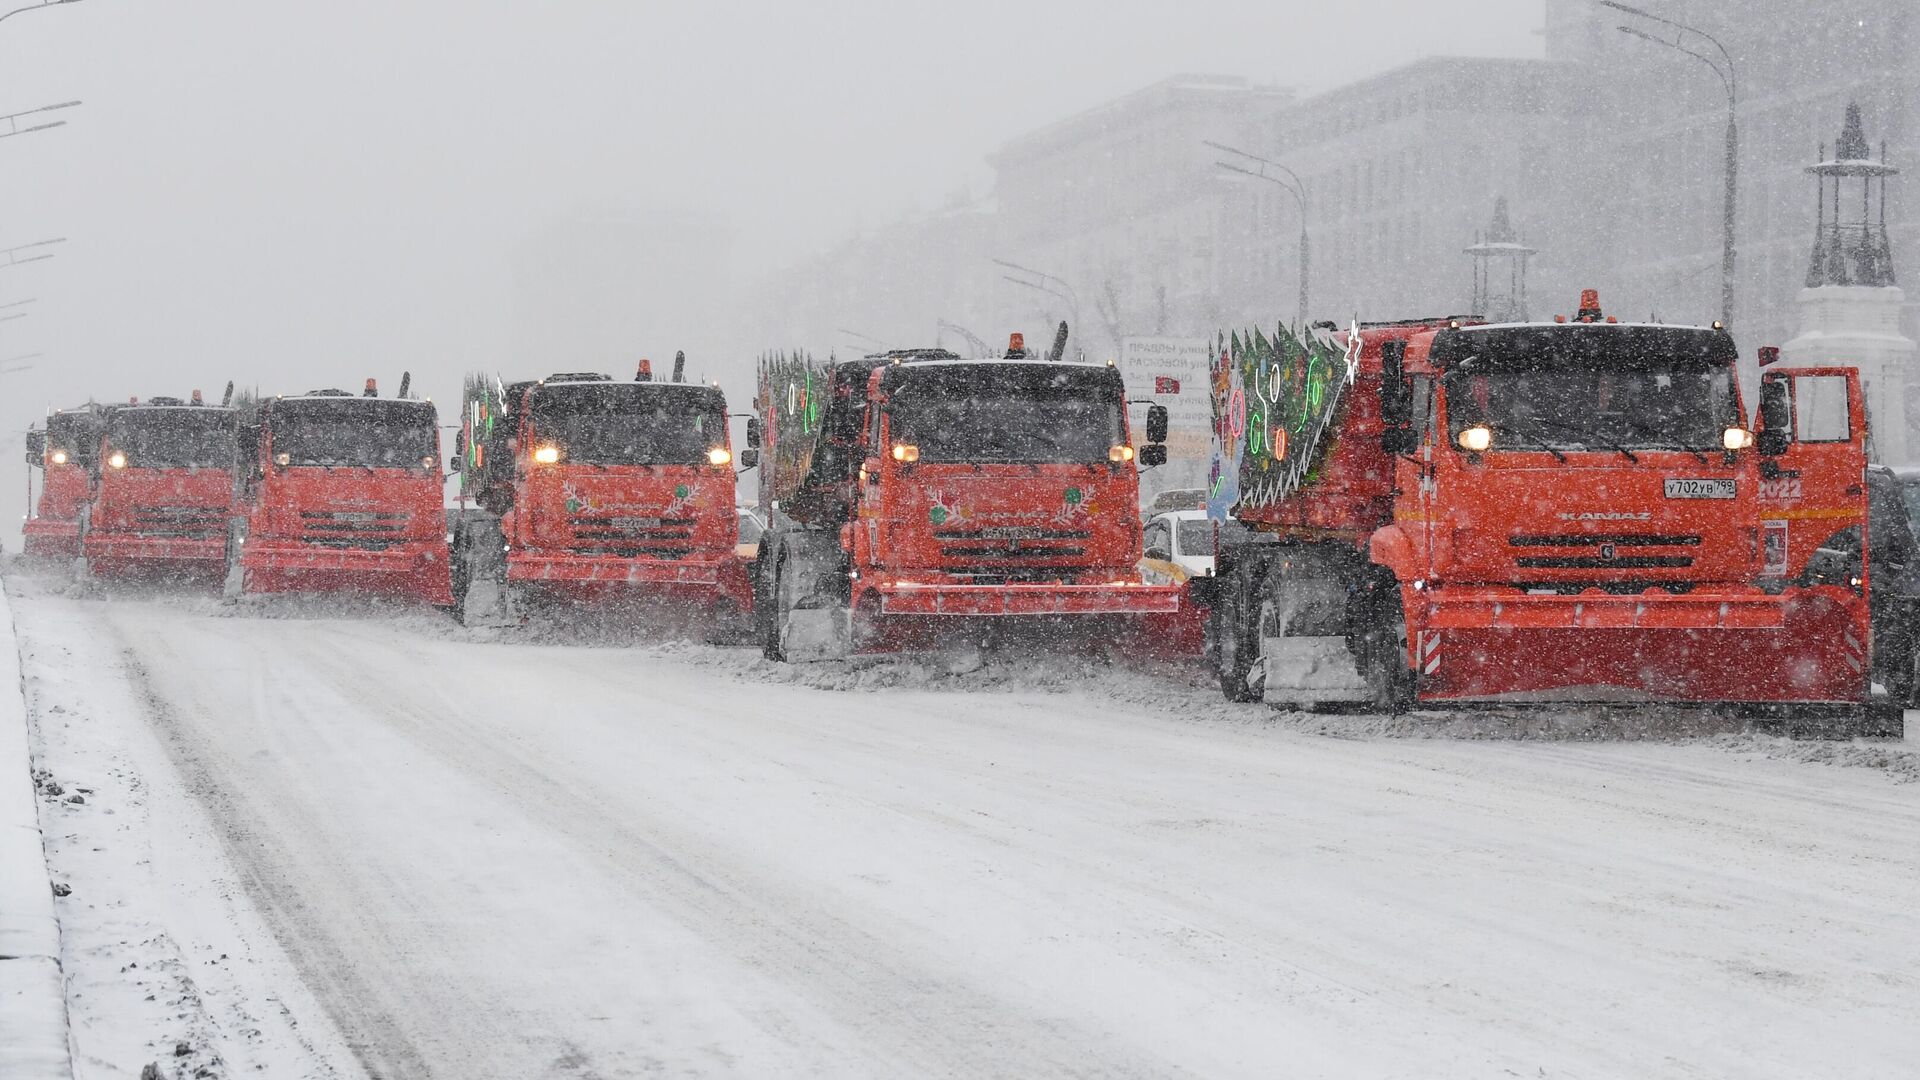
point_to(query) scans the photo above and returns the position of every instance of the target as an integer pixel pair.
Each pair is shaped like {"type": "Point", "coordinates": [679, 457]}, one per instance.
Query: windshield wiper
{"type": "Point", "coordinates": [1696, 452]}
{"type": "Point", "coordinates": [1586, 437]}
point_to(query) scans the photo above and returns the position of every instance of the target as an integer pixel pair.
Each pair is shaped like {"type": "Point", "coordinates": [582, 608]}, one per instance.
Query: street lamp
{"type": "Point", "coordinates": [15, 304]}
{"type": "Point", "coordinates": [1293, 186]}
{"type": "Point", "coordinates": [13, 255]}
{"type": "Point", "coordinates": [865, 337]}
{"type": "Point", "coordinates": [15, 364]}
{"type": "Point", "coordinates": [13, 120]}
{"type": "Point", "coordinates": [1722, 67]}
{"type": "Point", "coordinates": [1061, 289]}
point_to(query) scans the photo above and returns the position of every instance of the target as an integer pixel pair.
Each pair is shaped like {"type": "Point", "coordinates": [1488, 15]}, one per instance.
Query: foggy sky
{"type": "Point", "coordinates": [298, 195]}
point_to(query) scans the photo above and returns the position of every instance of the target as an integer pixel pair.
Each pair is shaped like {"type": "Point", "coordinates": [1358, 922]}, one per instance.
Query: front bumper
{"type": "Point", "coordinates": [1807, 645]}
{"type": "Point", "coordinates": [724, 574]}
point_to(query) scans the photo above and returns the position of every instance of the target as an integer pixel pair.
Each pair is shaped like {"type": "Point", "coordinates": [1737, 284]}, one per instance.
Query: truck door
{"type": "Point", "coordinates": [1813, 493]}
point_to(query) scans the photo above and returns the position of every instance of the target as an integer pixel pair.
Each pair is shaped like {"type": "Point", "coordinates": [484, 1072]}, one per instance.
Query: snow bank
{"type": "Point", "coordinates": [33, 1009]}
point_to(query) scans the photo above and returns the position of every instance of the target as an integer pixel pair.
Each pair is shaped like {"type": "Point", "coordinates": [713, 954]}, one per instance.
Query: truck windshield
{"type": "Point", "coordinates": [174, 437]}
{"type": "Point", "coordinates": [76, 433]}
{"type": "Point", "coordinates": [1007, 412]}
{"type": "Point", "coordinates": [1596, 388]}
{"type": "Point", "coordinates": [630, 423]}
{"type": "Point", "coordinates": [374, 433]}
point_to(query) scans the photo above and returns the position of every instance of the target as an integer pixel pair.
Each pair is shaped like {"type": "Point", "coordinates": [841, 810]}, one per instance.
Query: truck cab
{"type": "Point", "coordinates": [65, 452]}
{"type": "Point", "coordinates": [163, 489]}
{"type": "Point", "coordinates": [918, 491]}
{"type": "Point", "coordinates": [343, 494]}
{"type": "Point", "coordinates": [597, 489]}
{"type": "Point", "coordinates": [1576, 510]}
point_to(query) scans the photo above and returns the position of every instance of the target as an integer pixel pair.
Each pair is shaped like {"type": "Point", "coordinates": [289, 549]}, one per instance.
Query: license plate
{"type": "Point", "coordinates": [1687, 488]}
{"type": "Point", "coordinates": [634, 522]}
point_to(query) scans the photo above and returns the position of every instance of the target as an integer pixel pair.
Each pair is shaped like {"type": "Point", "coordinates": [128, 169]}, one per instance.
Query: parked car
{"type": "Point", "coordinates": [748, 546]}
{"type": "Point", "coordinates": [1174, 499]}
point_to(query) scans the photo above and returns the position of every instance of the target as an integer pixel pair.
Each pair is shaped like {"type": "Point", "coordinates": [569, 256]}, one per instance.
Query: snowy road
{"type": "Point", "coordinates": [528, 860]}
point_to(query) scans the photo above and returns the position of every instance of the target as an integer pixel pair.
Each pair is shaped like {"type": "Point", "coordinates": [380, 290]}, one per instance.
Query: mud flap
{"type": "Point", "coordinates": [813, 621]}
{"type": "Point", "coordinates": [234, 584]}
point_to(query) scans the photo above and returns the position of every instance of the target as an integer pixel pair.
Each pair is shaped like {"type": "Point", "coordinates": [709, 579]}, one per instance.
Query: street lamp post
{"type": "Point", "coordinates": [1723, 67]}
{"type": "Point", "coordinates": [12, 254]}
{"type": "Point", "coordinates": [1061, 288]}
{"type": "Point", "coordinates": [12, 120]}
{"type": "Point", "coordinates": [1293, 186]}
{"type": "Point", "coordinates": [4, 16]}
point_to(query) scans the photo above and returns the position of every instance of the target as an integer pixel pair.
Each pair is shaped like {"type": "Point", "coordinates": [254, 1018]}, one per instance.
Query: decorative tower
{"type": "Point", "coordinates": [1850, 309]}
{"type": "Point", "coordinates": [1499, 270]}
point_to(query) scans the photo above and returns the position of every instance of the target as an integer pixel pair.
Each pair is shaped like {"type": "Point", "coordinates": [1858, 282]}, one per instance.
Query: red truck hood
{"type": "Point", "coordinates": [630, 511]}
{"type": "Point", "coordinates": [1598, 520]}
{"type": "Point", "coordinates": [164, 502]}
{"type": "Point", "coordinates": [350, 506]}
{"type": "Point", "coordinates": [1011, 520]}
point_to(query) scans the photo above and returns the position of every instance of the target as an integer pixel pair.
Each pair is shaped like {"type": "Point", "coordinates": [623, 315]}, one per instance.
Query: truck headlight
{"type": "Point", "coordinates": [116, 460]}
{"type": "Point", "coordinates": [546, 455]}
{"type": "Point", "coordinates": [1736, 438]}
{"type": "Point", "coordinates": [1475, 439]}
{"type": "Point", "coordinates": [719, 455]}
{"type": "Point", "coordinates": [59, 457]}
{"type": "Point", "coordinates": [905, 452]}
{"type": "Point", "coordinates": [1120, 453]}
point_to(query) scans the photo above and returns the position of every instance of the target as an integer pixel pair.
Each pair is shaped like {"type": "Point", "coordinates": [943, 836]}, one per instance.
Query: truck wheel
{"type": "Point", "coordinates": [1383, 653]}
{"type": "Point", "coordinates": [1236, 632]}
{"type": "Point", "coordinates": [766, 609]}
{"type": "Point", "coordinates": [811, 619]}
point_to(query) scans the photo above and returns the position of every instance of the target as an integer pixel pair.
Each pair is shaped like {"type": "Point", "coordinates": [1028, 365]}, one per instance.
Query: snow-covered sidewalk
{"type": "Point", "coordinates": [33, 1009]}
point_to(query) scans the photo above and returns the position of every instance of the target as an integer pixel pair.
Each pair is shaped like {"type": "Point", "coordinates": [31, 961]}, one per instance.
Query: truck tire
{"type": "Point", "coordinates": [810, 617]}
{"type": "Point", "coordinates": [1381, 646]}
{"type": "Point", "coordinates": [1236, 631]}
{"type": "Point", "coordinates": [481, 596]}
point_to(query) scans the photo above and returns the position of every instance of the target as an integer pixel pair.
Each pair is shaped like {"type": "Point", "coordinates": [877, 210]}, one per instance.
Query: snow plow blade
{"type": "Point", "coordinates": [1805, 647]}
{"type": "Point", "coordinates": [396, 573]}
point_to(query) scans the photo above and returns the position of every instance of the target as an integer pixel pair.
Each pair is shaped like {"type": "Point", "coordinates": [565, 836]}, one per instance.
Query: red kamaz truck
{"type": "Point", "coordinates": [919, 498]}
{"type": "Point", "coordinates": [64, 452]}
{"type": "Point", "coordinates": [162, 490]}
{"type": "Point", "coordinates": [341, 494]}
{"type": "Point", "coordinates": [1564, 511]}
{"type": "Point", "coordinates": [588, 489]}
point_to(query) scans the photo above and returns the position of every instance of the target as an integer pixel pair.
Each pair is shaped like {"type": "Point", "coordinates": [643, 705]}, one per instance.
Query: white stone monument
{"type": "Point", "coordinates": [1850, 309]}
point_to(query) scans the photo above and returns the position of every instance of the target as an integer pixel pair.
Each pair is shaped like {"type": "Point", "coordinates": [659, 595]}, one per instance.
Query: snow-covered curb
{"type": "Point", "coordinates": [33, 1006]}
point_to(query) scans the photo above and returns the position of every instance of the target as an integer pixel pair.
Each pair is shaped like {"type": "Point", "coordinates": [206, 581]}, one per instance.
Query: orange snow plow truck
{"type": "Point", "coordinates": [918, 498]}
{"type": "Point", "coordinates": [162, 490]}
{"type": "Point", "coordinates": [64, 452]}
{"type": "Point", "coordinates": [342, 494]}
{"type": "Point", "coordinates": [590, 489]}
{"type": "Point", "coordinates": [1446, 512]}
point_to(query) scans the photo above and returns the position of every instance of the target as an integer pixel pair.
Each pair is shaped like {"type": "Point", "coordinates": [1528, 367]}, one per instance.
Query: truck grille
{"type": "Point", "coordinates": [1605, 554]}
{"type": "Point", "coordinates": [365, 529]}
{"type": "Point", "coordinates": [180, 522]}
{"type": "Point", "coordinates": [631, 537]}
{"type": "Point", "coordinates": [1604, 562]}
{"type": "Point", "coordinates": [1010, 553]}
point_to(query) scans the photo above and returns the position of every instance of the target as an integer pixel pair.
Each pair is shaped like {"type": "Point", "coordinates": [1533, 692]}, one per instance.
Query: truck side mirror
{"type": "Point", "coordinates": [1153, 454]}
{"type": "Point", "coordinates": [1776, 418]}
{"type": "Point", "coordinates": [1396, 400]}
{"type": "Point", "coordinates": [753, 433]}
{"type": "Point", "coordinates": [36, 447]}
{"type": "Point", "coordinates": [1156, 423]}
{"type": "Point", "coordinates": [749, 458]}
